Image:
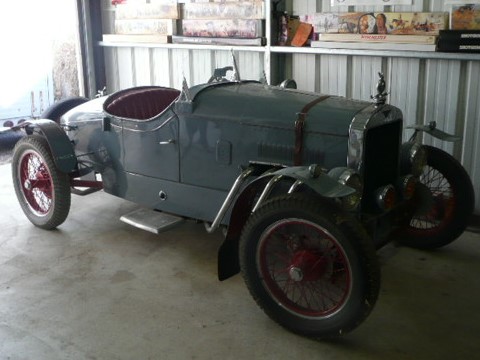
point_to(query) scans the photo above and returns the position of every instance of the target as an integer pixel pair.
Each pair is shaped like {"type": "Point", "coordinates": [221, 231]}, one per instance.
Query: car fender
{"type": "Point", "coordinates": [316, 179]}
{"type": "Point", "coordinates": [432, 130]}
{"type": "Point", "coordinates": [310, 176]}
{"type": "Point", "coordinates": [58, 141]}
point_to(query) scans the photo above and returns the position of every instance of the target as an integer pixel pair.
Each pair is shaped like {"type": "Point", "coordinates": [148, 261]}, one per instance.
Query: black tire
{"type": "Point", "coordinates": [42, 190]}
{"type": "Point", "coordinates": [56, 111]}
{"type": "Point", "coordinates": [448, 192]}
{"type": "Point", "coordinates": [310, 267]}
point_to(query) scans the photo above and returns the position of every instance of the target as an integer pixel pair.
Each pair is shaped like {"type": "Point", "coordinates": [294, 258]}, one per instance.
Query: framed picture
{"type": "Point", "coordinates": [464, 15]}
{"type": "Point", "coordinates": [370, 2]}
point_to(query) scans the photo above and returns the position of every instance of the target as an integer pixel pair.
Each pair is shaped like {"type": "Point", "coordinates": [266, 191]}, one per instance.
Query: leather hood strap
{"type": "Point", "coordinates": [299, 129]}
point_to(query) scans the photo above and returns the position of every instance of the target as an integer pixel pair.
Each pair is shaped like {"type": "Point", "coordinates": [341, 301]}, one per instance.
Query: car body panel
{"type": "Point", "coordinates": [151, 147]}
{"type": "Point", "coordinates": [59, 144]}
{"type": "Point", "coordinates": [185, 159]}
{"type": "Point", "coordinates": [260, 120]}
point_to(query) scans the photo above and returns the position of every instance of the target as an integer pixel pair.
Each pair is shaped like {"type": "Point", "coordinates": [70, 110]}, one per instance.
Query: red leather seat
{"type": "Point", "coordinates": [140, 103]}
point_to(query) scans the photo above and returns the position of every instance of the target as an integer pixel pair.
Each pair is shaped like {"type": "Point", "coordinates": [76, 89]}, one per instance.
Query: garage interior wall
{"type": "Point", "coordinates": [445, 91]}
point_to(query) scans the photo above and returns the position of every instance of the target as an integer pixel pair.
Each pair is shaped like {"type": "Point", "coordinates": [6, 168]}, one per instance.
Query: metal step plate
{"type": "Point", "coordinates": [151, 220]}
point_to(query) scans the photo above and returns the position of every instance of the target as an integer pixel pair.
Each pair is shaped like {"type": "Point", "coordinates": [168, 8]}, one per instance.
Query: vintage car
{"type": "Point", "coordinates": [306, 187]}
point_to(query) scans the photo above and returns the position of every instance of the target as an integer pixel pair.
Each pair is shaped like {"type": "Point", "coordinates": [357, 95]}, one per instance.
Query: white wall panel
{"type": "Point", "coordinates": [125, 68]}
{"type": "Point", "coordinates": [223, 58]}
{"type": "Point", "coordinates": [161, 72]}
{"type": "Point", "coordinates": [111, 69]}
{"type": "Point", "coordinates": [181, 66]}
{"type": "Point", "coordinates": [142, 66]}
{"type": "Point", "coordinates": [418, 5]}
{"type": "Point", "coordinates": [332, 75]}
{"type": "Point", "coordinates": [378, 8]}
{"type": "Point", "coordinates": [250, 64]}
{"type": "Point", "coordinates": [441, 98]}
{"type": "Point", "coordinates": [403, 86]}
{"type": "Point", "coordinates": [471, 134]}
{"type": "Point", "coordinates": [136, 66]}
{"type": "Point", "coordinates": [324, 6]}
{"type": "Point", "coordinates": [364, 76]}
{"type": "Point", "coordinates": [304, 7]}
{"type": "Point", "coordinates": [203, 64]}
{"type": "Point", "coordinates": [303, 71]}
{"type": "Point", "coordinates": [436, 5]}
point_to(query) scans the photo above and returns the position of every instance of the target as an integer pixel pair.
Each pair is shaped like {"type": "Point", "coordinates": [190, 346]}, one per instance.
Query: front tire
{"type": "Point", "coordinates": [448, 192]}
{"type": "Point", "coordinates": [42, 190]}
{"type": "Point", "coordinates": [312, 269]}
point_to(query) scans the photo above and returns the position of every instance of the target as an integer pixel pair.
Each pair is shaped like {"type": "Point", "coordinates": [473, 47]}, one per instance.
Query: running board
{"type": "Point", "coordinates": [151, 220]}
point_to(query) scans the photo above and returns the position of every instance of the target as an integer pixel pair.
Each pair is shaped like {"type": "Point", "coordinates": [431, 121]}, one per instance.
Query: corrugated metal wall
{"type": "Point", "coordinates": [134, 66]}
{"type": "Point", "coordinates": [446, 91]}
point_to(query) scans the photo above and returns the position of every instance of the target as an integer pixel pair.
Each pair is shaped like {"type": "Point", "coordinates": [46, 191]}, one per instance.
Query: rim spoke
{"type": "Point", "coordinates": [443, 197]}
{"type": "Point", "coordinates": [36, 183]}
{"type": "Point", "coordinates": [304, 268]}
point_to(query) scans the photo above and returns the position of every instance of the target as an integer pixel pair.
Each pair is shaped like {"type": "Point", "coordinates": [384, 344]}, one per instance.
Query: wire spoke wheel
{"type": "Point", "coordinates": [42, 190]}
{"type": "Point", "coordinates": [309, 266]}
{"type": "Point", "coordinates": [444, 200]}
{"type": "Point", "coordinates": [36, 183]}
{"type": "Point", "coordinates": [304, 268]}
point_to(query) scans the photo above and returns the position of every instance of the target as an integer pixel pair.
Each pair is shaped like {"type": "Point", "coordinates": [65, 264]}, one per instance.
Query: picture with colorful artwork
{"type": "Point", "coordinates": [465, 17]}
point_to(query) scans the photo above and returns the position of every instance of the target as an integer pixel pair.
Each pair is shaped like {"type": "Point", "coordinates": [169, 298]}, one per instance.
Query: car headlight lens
{"type": "Point", "coordinates": [351, 178]}
{"type": "Point", "coordinates": [414, 159]}
{"type": "Point", "coordinates": [386, 197]}
{"type": "Point", "coordinates": [418, 155]}
{"type": "Point", "coordinates": [351, 202]}
{"type": "Point", "coordinates": [346, 176]}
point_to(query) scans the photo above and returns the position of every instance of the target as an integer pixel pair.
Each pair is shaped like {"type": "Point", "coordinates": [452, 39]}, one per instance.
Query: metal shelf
{"type": "Point", "coordinates": [184, 46]}
{"type": "Point", "coordinates": [305, 50]}
{"type": "Point", "coordinates": [378, 53]}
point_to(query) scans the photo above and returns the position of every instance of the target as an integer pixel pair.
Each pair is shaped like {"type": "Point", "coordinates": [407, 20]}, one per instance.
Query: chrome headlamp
{"type": "Point", "coordinates": [351, 178]}
{"type": "Point", "coordinates": [348, 177]}
{"type": "Point", "coordinates": [386, 197]}
{"type": "Point", "coordinates": [413, 159]}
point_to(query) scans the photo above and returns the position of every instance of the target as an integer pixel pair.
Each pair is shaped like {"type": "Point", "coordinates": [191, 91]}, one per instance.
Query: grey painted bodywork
{"type": "Point", "coordinates": [194, 150]}
{"type": "Point", "coordinates": [60, 145]}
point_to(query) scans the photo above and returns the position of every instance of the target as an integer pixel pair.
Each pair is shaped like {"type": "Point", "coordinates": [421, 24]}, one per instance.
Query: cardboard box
{"type": "Point", "coordinates": [146, 26]}
{"type": "Point", "coordinates": [407, 23]}
{"type": "Point", "coordinates": [137, 10]}
{"type": "Point", "coordinates": [225, 10]}
{"type": "Point", "coordinates": [237, 28]}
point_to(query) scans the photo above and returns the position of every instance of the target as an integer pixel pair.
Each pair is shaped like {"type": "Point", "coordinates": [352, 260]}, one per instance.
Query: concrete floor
{"type": "Point", "coordinates": [97, 288]}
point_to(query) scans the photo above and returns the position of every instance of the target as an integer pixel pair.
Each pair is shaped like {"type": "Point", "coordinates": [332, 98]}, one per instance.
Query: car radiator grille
{"type": "Point", "coordinates": [381, 160]}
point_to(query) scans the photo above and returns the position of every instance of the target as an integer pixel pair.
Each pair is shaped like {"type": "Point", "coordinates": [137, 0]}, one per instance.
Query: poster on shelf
{"type": "Point", "coordinates": [370, 2]}
{"type": "Point", "coordinates": [464, 16]}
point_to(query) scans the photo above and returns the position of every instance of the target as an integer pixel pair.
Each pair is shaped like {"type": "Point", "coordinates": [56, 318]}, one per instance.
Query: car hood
{"type": "Point", "coordinates": [90, 111]}
{"type": "Point", "coordinates": [257, 104]}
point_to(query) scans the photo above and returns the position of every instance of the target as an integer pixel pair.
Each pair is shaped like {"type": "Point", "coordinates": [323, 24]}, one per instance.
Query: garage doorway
{"type": "Point", "coordinates": [40, 61]}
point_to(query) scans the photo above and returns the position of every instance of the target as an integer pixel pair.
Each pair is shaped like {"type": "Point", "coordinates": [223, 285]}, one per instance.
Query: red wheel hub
{"type": "Point", "coordinates": [304, 268]}
{"type": "Point", "coordinates": [36, 183]}
{"type": "Point", "coordinates": [307, 265]}
{"type": "Point", "coordinates": [43, 182]}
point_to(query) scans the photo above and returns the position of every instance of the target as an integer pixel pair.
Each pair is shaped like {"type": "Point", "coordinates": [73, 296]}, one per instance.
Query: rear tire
{"type": "Point", "coordinates": [310, 267]}
{"type": "Point", "coordinates": [449, 192]}
{"type": "Point", "coordinates": [42, 190]}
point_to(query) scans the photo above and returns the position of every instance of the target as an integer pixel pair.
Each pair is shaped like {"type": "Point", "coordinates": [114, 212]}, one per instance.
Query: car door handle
{"type": "Point", "coordinates": [169, 141]}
